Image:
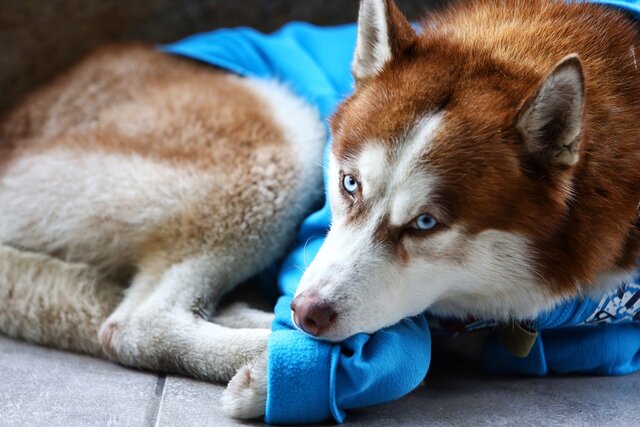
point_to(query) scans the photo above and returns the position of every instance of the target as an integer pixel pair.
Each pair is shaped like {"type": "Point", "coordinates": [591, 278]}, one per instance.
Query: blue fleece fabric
{"type": "Point", "coordinates": [311, 381]}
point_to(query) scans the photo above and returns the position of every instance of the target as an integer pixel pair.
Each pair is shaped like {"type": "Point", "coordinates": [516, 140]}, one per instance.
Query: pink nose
{"type": "Point", "coordinates": [312, 315]}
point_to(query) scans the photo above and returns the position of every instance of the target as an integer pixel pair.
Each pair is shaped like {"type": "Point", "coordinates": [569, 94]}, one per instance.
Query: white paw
{"type": "Point", "coordinates": [246, 394]}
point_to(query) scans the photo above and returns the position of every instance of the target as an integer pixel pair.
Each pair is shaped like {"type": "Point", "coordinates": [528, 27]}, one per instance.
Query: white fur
{"type": "Point", "coordinates": [410, 184]}
{"type": "Point", "coordinates": [417, 144]}
{"type": "Point", "coordinates": [240, 315]}
{"type": "Point", "coordinates": [51, 201]}
{"type": "Point", "coordinates": [394, 180]}
{"type": "Point", "coordinates": [497, 280]}
{"type": "Point", "coordinates": [372, 165]}
{"type": "Point", "coordinates": [300, 121]}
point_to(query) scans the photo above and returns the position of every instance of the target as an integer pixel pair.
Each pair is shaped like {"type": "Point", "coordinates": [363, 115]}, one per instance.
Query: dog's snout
{"type": "Point", "coordinates": [312, 314]}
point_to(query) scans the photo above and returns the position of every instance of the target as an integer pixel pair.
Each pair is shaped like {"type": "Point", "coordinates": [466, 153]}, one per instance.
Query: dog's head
{"type": "Point", "coordinates": [446, 169]}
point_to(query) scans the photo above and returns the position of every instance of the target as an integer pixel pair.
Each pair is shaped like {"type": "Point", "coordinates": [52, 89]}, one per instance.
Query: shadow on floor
{"type": "Point", "coordinates": [40, 386]}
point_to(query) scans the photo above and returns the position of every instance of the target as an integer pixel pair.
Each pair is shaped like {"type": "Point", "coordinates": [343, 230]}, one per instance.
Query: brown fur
{"type": "Point", "coordinates": [480, 62]}
{"type": "Point", "coordinates": [133, 100]}
{"type": "Point", "coordinates": [120, 94]}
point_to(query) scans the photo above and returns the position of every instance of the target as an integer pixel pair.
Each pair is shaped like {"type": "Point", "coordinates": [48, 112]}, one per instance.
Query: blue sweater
{"type": "Point", "coordinates": [312, 381]}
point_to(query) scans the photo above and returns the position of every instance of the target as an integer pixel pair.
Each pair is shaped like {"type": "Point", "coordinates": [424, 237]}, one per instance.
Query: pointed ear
{"type": "Point", "coordinates": [551, 120]}
{"type": "Point", "coordinates": [383, 32]}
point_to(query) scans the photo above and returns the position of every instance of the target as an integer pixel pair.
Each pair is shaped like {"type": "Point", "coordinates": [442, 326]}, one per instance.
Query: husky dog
{"type": "Point", "coordinates": [135, 191]}
{"type": "Point", "coordinates": [486, 167]}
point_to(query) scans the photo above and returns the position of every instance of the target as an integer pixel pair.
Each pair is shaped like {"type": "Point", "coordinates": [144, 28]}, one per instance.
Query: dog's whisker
{"type": "Point", "coordinates": [304, 252]}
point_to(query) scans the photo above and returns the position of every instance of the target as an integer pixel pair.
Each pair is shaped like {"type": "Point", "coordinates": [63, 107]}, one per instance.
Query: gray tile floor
{"type": "Point", "coordinates": [39, 386]}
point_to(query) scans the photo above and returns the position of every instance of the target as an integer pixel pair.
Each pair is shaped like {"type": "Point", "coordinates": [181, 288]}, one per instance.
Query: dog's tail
{"type": "Point", "coordinates": [51, 302]}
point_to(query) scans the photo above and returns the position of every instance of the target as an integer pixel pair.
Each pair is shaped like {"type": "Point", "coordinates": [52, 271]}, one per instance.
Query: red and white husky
{"type": "Point", "coordinates": [486, 167]}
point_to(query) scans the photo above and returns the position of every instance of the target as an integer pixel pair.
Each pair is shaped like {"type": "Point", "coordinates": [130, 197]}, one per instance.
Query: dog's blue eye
{"type": "Point", "coordinates": [425, 222]}
{"type": "Point", "coordinates": [350, 184]}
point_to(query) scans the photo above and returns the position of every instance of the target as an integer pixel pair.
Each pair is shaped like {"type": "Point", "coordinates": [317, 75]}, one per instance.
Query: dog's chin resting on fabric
{"type": "Point", "coordinates": [487, 167]}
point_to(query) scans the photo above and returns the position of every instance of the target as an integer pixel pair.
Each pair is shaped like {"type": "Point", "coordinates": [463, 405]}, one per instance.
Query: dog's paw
{"type": "Point", "coordinates": [246, 394]}
{"type": "Point", "coordinates": [107, 335]}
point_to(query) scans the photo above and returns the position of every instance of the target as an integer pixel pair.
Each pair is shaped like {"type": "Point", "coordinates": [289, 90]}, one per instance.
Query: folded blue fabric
{"type": "Point", "coordinates": [312, 381]}
{"type": "Point", "coordinates": [598, 336]}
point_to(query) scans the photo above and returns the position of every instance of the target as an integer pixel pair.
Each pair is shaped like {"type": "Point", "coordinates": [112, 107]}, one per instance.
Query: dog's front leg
{"type": "Point", "coordinates": [240, 315]}
{"type": "Point", "coordinates": [52, 302]}
{"type": "Point", "coordinates": [161, 324]}
{"type": "Point", "coordinates": [246, 394]}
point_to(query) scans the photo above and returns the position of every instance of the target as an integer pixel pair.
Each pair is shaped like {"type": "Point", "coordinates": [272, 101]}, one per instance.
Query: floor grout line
{"type": "Point", "coordinates": [154, 411]}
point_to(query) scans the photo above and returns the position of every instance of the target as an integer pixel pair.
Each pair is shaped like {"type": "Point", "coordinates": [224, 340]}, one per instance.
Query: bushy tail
{"type": "Point", "coordinates": [51, 302]}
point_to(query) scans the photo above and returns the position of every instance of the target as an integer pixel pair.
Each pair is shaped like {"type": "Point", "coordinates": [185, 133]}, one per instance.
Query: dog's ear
{"type": "Point", "coordinates": [383, 33]}
{"type": "Point", "coordinates": [551, 120]}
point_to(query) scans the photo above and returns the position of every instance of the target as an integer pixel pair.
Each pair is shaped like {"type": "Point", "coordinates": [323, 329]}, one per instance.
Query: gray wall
{"type": "Point", "coordinates": [40, 38]}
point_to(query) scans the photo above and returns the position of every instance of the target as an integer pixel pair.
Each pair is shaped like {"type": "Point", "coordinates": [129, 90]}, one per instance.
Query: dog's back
{"type": "Point", "coordinates": [134, 149]}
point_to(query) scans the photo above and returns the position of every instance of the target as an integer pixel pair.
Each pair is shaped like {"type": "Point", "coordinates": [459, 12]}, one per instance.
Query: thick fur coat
{"type": "Point", "coordinates": [135, 191]}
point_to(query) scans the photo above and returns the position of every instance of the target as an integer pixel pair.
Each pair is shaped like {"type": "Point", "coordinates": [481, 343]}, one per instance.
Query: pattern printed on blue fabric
{"type": "Point", "coordinates": [621, 306]}
{"type": "Point", "coordinates": [617, 306]}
